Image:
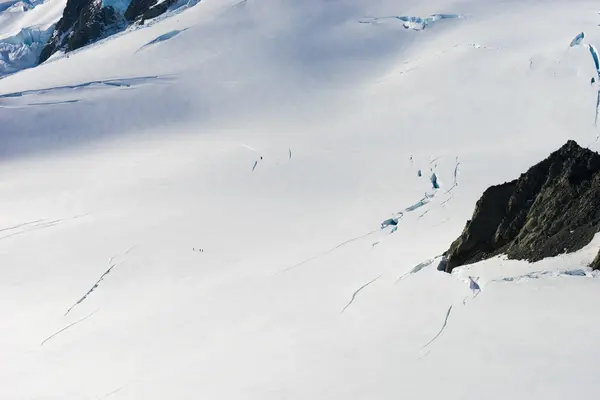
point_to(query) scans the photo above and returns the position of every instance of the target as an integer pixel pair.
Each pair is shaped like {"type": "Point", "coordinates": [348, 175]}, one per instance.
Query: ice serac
{"type": "Point", "coordinates": [551, 209]}
{"type": "Point", "coordinates": [577, 40]}
{"type": "Point", "coordinates": [594, 53]}
{"type": "Point", "coordinates": [22, 50]}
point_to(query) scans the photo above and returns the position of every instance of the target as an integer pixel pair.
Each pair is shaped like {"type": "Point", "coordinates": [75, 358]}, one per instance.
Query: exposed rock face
{"type": "Point", "coordinates": [93, 23]}
{"type": "Point", "coordinates": [137, 8]}
{"type": "Point", "coordinates": [147, 9]}
{"type": "Point", "coordinates": [83, 22]}
{"type": "Point", "coordinates": [64, 26]}
{"type": "Point", "coordinates": [159, 9]}
{"type": "Point", "coordinates": [596, 263]}
{"type": "Point", "coordinates": [551, 209]}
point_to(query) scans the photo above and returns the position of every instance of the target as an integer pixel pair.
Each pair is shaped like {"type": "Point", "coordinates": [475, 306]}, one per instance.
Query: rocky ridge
{"type": "Point", "coordinates": [551, 209]}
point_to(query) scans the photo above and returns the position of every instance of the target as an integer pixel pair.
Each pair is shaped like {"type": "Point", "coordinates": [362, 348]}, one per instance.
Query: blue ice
{"type": "Point", "coordinates": [577, 40]}
{"type": "Point", "coordinates": [119, 5]}
{"type": "Point", "coordinates": [594, 53]}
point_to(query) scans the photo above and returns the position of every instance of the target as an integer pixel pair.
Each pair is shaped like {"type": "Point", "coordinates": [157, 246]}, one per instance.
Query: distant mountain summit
{"type": "Point", "coordinates": [551, 209]}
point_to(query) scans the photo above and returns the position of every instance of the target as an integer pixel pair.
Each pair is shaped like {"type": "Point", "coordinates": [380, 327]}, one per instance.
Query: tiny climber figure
{"type": "Point", "coordinates": [255, 164]}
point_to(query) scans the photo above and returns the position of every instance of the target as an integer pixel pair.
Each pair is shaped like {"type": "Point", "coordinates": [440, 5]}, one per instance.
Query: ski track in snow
{"type": "Point", "coordinates": [357, 291]}
{"type": "Point", "coordinates": [464, 302]}
{"type": "Point", "coordinates": [34, 226]}
{"type": "Point", "coordinates": [249, 147]}
{"type": "Point", "coordinates": [329, 251]}
{"type": "Point", "coordinates": [47, 103]}
{"type": "Point", "coordinates": [434, 159]}
{"type": "Point", "coordinates": [95, 286]}
{"type": "Point", "coordinates": [440, 223]}
{"type": "Point", "coordinates": [442, 329]}
{"type": "Point", "coordinates": [21, 225]}
{"type": "Point", "coordinates": [67, 327]}
{"type": "Point", "coordinates": [424, 355]}
{"type": "Point", "coordinates": [162, 38]}
{"type": "Point", "coordinates": [443, 203]}
{"type": "Point", "coordinates": [113, 392]}
{"type": "Point", "coordinates": [417, 268]}
{"type": "Point", "coordinates": [451, 188]}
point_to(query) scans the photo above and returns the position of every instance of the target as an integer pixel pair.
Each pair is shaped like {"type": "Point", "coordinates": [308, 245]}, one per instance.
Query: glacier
{"type": "Point", "coordinates": [577, 40]}
{"type": "Point", "coordinates": [131, 161]}
{"type": "Point", "coordinates": [22, 50]}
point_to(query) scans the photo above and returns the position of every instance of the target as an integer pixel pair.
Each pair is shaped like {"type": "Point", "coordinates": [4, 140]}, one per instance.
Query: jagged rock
{"type": "Point", "coordinates": [95, 21]}
{"type": "Point", "coordinates": [137, 8]}
{"type": "Point", "coordinates": [64, 26]}
{"type": "Point", "coordinates": [147, 9]}
{"type": "Point", "coordinates": [596, 263]}
{"type": "Point", "coordinates": [83, 22]}
{"type": "Point", "coordinates": [159, 9]}
{"type": "Point", "coordinates": [551, 209]}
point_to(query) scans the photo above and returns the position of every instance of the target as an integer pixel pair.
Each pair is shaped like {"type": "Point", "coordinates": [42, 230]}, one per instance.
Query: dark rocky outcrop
{"type": "Point", "coordinates": [147, 9]}
{"type": "Point", "coordinates": [83, 22]}
{"type": "Point", "coordinates": [596, 263]}
{"type": "Point", "coordinates": [94, 22]}
{"type": "Point", "coordinates": [551, 209]}
{"type": "Point", "coordinates": [70, 16]}
{"type": "Point", "coordinates": [157, 10]}
{"type": "Point", "coordinates": [137, 8]}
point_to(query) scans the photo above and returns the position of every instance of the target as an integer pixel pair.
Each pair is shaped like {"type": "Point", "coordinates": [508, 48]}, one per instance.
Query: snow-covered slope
{"type": "Point", "coordinates": [192, 209]}
{"type": "Point", "coordinates": [18, 15]}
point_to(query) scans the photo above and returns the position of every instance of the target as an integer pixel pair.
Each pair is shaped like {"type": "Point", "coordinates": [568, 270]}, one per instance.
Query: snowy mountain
{"type": "Point", "coordinates": [193, 207]}
{"type": "Point", "coordinates": [28, 38]}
